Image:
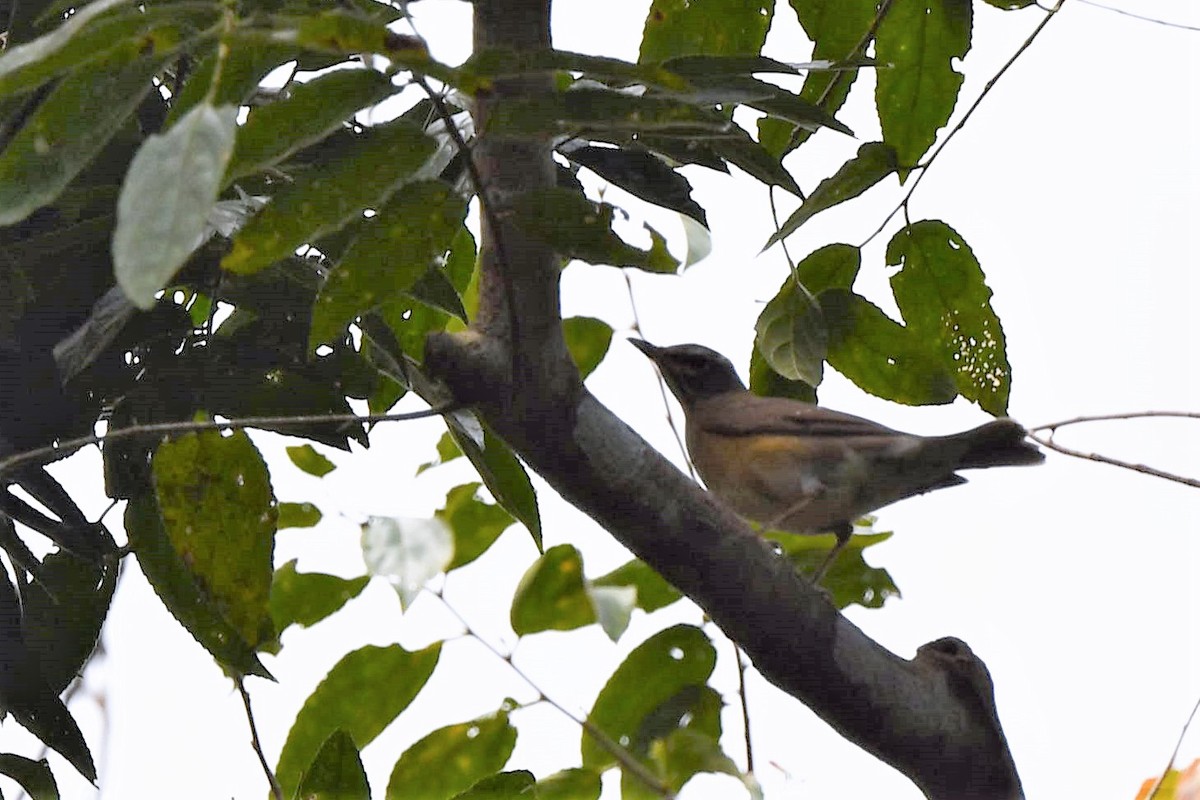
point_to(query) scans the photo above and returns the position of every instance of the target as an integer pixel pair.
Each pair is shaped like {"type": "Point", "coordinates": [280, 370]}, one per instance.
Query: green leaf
{"type": "Point", "coordinates": [346, 33]}
{"type": "Point", "coordinates": [717, 27]}
{"type": "Point", "coordinates": [748, 155]}
{"type": "Point", "coordinates": [306, 598]}
{"type": "Point", "coordinates": [588, 340]}
{"type": "Point", "coordinates": [408, 551]}
{"type": "Point", "coordinates": [603, 110]}
{"type": "Point", "coordinates": [447, 451]}
{"type": "Point", "coordinates": [643, 175]}
{"type": "Point", "coordinates": [653, 591]}
{"type": "Point", "coordinates": [407, 238]}
{"type": "Point", "coordinates": [321, 201]}
{"type": "Point", "coordinates": [476, 524]}
{"type": "Point", "coordinates": [161, 218]}
{"type": "Point", "coordinates": [501, 471]}
{"type": "Point", "coordinates": [656, 671]}
{"type": "Point", "coordinates": [308, 459]}
{"type": "Point", "coordinates": [849, 579]}
{"type": "Point", "coordinates": [435, 290]}
{"type": "Point", "coordinates": [452, 759]}
{"type": "Point", "coordinates": [485, 65]}
{"type": "Point", "coordinates": [834, 266]}
{"type": "Point", "coordinates": [214, 495]}
{"type": "Point", "coordinates": [503, 786]}
{"type": "Point", "coordinates": [33, 776]}
{"type": "Point", "coordinates": [791, 334]}
{"type": "Point", "coordinates": [243, 67]}
{"type": "Point", "coordinates": [919, 40]}
{"type": "Point", "coordinates": [767, 382]}
{"type": "Point", "coordinates": [90, 33]}
{"type": "Point", "coordinates": [940, 290]}
{"type": "Point", "coordinates": [873, 162]}
{"type": "Point", "coordinates": [682, 755]}
{"type": "Point", "coordinates": [792, 338]}
{"type": "Point", "coordinates": [336, 773]}
{"type": "Point", "coordinates": [176, 586]}
{"type": "Point", "coordinates": [836, 27]}
{"type": "Point", "coordinates": [308, 113]}
{"type": "Point", "coordinates": [880, 355]}
{"type": "Point", "coordinates": [25, 693]}
{"type": "Point", "coordinates": [361, 695]}
{"type": "Point", "coordinates": [63, 611]}
{"type": "Point", "coordinates": [578, 228]}
{"type": "Point", "coordinates": [72, 125]}
{"type": "Point", "coordinates": [298, 515]}
{"type": "Point", "coordinates": [576, 783]}
{"type": "Point", "coordinates": [1010, 5]}
{"type": "Point", "coordinates": [552, 595]}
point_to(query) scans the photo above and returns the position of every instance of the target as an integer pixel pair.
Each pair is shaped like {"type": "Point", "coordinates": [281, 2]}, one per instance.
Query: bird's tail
{"type": "Point", "coordinates": [999, 443]}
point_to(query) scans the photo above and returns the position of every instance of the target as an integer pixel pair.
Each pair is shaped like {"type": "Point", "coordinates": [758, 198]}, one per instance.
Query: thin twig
{"type": "Point", "coordinates": [662, 386]}
{"type": "Point", "coordinates": [1052, 428]}
{"type": "Point", "coordinates": [485, 208]}
{"type": "Point", "coordinates": [55, 451]}
{"type": "Point", "coordinates": [745, 703]}
{"type": "Point", "coordinates": [859, 49]}
{"type": "Point", "coordinates": [1143, 18]}
{"type": "Point", "coordinates": [623, 756]}
{"type": "Point", "coordinates": [1174, 753]}
{"type": "Point", "coordinates": [276, 789]}
{"type": "Point", "coordinates": [962, 122]}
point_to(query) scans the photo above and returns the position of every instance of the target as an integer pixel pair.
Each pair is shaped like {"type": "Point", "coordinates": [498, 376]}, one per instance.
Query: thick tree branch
{"type": "Point", "coordinates": [932, 717]}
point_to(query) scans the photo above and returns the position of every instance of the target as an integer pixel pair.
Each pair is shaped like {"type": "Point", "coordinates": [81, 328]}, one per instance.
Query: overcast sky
{"type": "Point", "coordinates": [1077, 186]}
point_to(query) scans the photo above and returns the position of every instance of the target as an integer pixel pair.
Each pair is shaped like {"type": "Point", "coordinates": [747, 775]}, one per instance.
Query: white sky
{"type": "Point", "coordinates": [1076, 186]}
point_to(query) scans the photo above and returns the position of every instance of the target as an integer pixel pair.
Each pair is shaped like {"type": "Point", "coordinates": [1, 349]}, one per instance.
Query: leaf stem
{"type": "Point", "coordinates": [623, 756]}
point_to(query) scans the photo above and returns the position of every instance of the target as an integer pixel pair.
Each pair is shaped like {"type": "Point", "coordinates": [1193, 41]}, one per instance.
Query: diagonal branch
{"type": "Point", "coordinates": [932, 717]}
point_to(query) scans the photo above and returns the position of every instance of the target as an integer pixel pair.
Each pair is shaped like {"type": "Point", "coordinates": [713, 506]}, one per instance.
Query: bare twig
{"type": "Point", "coordinates": [623, 756]}
{"type": "Point", "coordinates": [745, 703]}
{"type": "Point", "coordinates": [1143, 18]}
{"type": "Point", "coordinates": [662, 387]}
{"type": "Point", "coordinates": [276, 790]}
{"type": "Point", "coordinates": [1174, 753]}
{"type": "Point", "coordinates": [1052, 428]}
{"type": "Point", "coordinates": [55, 451]}
{"type": "Point", "coordinates": [967, 116]}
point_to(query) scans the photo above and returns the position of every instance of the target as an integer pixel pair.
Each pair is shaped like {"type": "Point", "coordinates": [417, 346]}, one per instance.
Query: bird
{"type": "Point", "coordinates": [801, 468]}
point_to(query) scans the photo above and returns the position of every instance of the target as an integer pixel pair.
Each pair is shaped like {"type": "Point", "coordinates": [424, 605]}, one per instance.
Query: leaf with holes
{"type": "Point", "coordinates": [919, 40]}
{"type": "Point", "coordinates": [880, 355]}
{"type": "Point", "coordinates": [941, 292]}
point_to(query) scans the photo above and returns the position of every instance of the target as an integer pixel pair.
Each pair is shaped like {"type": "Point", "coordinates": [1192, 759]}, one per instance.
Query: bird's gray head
{"type": "Point", "coordinates": [692, 371]}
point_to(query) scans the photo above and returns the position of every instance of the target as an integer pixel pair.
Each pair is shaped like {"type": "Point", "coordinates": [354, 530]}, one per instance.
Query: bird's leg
{"type": "Point", "coordinates": [777, 520]}
{"type": "Point", "coordinates": [842, 532]}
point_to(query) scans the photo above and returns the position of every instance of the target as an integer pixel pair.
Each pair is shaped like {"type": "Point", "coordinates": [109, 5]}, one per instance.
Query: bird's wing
{"type": "Point", "coordinates": [745, 414]}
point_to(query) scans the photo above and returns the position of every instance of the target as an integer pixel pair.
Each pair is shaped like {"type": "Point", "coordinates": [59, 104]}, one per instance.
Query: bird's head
{"type": "Point", "coordinates": [692, 371]}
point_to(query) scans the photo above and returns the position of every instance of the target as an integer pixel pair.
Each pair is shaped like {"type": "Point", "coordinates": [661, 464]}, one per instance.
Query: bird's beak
{"type": "Point", "coordinates": [651, 352]}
